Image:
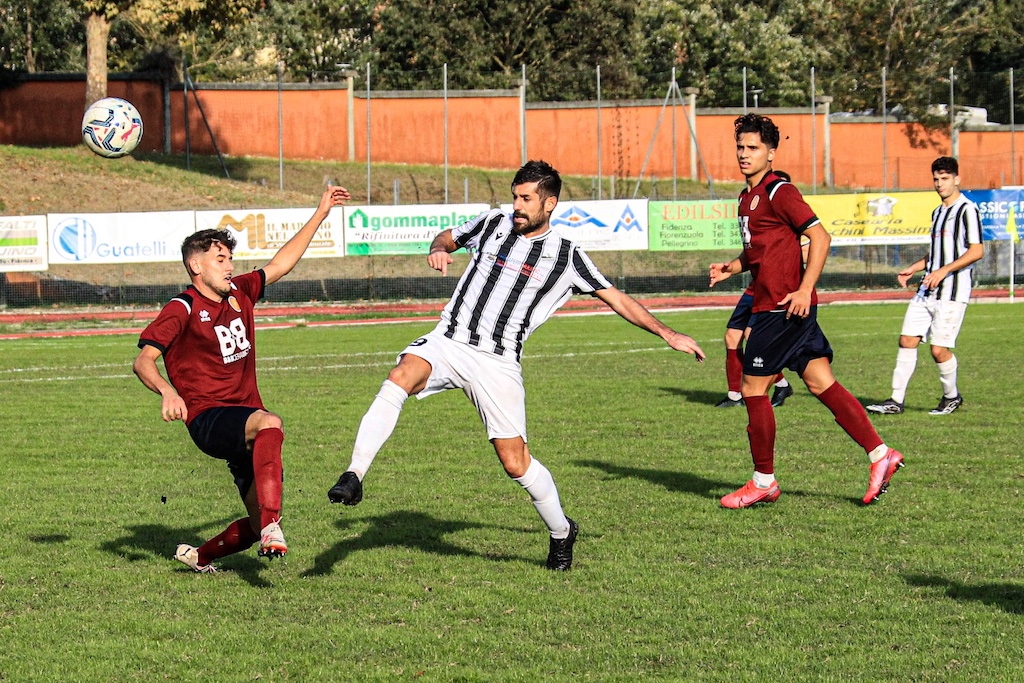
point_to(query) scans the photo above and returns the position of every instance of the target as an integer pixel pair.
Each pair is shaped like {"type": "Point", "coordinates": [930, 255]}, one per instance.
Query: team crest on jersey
{"type": "Point", "coordinates": [755, 201]}
{"type": "Point", "coordinates": [204, 316]}
{"type": "Point", "coordinates": [233, 302]}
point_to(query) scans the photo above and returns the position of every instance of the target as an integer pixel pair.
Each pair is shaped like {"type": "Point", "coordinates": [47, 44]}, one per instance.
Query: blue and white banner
{"type": "Point", "coordinates": [607, 225]}
{"type": "Point", "coordinates": [118, 237]}
{"type": "Point", "coordinates": [995, 206]}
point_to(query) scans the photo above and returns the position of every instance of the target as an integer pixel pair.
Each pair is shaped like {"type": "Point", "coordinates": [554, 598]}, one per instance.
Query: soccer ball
{"type": "Point", "coordinates": [112, 127]}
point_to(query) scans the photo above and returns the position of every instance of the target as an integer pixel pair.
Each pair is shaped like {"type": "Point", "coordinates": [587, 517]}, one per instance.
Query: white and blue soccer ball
{"type": "Point", "coordinates": [112, 127]}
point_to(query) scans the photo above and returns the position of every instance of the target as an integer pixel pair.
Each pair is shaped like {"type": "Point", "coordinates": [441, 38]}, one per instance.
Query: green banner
{"type": "Point", "coordinates": [693, 226]}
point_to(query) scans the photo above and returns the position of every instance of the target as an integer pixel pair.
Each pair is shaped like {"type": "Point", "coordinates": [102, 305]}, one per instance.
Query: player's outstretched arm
{"type": "Point", "coordinates": [289, 254]}
{"type": "Point", "coordinates": [172, 406]}
{"type": "Point", "coordinates": [439, 256]}
{"type": "Point", "coordinates": [633, 311]}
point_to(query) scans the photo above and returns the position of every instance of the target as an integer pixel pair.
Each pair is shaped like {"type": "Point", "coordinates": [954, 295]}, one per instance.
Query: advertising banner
{"type": "Point", "coordinates": [609, 225]}
{"type": "Point", "coordinates": [996, 207]}
{"type": "Point", "coordinates": [22, 243]}
{"type": "Point", "coordinates": [606, 225]}
{"type": "Point", "coordinates": [261, 232]}
{"type": "Point", "coordinates": [402, 229]}
{"type": "Point", "coordinates": [118, 237]}
{"type": "Point", "coordinates": [897, 218]}
{"type": "Point", "coordinates": [695, 225]}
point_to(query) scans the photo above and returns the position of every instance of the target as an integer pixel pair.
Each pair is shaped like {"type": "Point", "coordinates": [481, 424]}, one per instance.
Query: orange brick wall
{"type": "Point", "coordinates": [484, 131]}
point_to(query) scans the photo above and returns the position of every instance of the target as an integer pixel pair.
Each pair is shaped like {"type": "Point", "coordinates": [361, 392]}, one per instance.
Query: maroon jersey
{"type": "Point", "coordinates": [209, 348]}
{"type": "Point", "coordinates": [772, 217]}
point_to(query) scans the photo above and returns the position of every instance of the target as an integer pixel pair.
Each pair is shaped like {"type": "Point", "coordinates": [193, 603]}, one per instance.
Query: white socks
{"type": "Point", "coordinates": [906, 362]}
{"type": "Point", "coordinates": [947, 374]}
{"type": "Point", "coordinates": [539, 483]}
{"type": "Point", "coordinates": [376, 426]}
{"type": "Point", "coordinates": [762, 480]}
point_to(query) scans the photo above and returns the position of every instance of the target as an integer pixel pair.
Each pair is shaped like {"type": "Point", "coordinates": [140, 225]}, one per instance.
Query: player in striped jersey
{"type": "Point", "coordinates": [520, 273]}
{"type": "Point", "coordinates": [937, 310]}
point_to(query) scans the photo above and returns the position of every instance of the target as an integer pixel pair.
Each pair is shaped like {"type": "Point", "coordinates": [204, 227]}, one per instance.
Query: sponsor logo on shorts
{"type": "Point", "coordinates": [758, 362]}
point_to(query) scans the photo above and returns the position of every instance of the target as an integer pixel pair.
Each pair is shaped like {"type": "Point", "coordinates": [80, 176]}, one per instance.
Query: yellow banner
{"type": "Point", "coordinates": [897, 218]}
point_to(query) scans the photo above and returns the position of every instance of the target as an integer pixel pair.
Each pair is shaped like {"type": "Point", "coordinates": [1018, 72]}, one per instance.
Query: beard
{"type": "Point", "coordinates": [531, 225]}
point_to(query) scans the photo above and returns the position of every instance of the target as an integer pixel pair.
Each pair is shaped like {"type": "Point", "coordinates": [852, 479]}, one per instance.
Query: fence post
{"type": "Point", "coordinates": [280, 127]}
{"type": "Point", "coordinates": [691, 103]}
{"type": "Point", "coordinates": [368, 201]}
{"type": "Point", "coordinates": [599, 180]}
{"type": "Point", "coordinates": [885, 151]}
{"type": "Point", "coordinates": [1013, 146]}
{"type": "Point", "coordinates": [814, 140]}
{"type": "Point", "coordinates": [826, 104]}
{"type": "Point", "coordinates": [522, 114]}
{"type": "Point", "coordinates": [445, 77]}
{"type": "Point", "coordinates": [954, 134]}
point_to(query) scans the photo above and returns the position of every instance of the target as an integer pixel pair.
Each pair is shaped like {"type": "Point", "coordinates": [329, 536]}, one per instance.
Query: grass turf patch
{"type": "Point", "coordinates": [438, 574]}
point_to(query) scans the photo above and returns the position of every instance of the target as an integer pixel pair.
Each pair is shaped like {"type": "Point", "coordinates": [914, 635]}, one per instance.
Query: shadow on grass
{"type": "Point", "coordinates": [402, 528]}
{"type": "Point", "coordinates": [1006, 596]}
{"type": "Point", "coordinates": [672, 480]}
{"type": "Point", "coordinates": [709, 398]}
{"type": "Point", "coordinates": [143, 542]}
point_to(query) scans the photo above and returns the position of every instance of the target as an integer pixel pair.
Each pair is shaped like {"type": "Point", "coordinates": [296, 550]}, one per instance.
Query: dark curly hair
{"type": "Point", "coordinates": [200, 243]}
{"type": "Point", "coordinates": [762, 125]}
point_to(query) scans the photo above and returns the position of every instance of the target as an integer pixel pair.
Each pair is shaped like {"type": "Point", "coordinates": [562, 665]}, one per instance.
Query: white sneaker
{"type": "Point", "coordinates": [189, 555]}
{"type": "Point", "coordinates": [272, 541]}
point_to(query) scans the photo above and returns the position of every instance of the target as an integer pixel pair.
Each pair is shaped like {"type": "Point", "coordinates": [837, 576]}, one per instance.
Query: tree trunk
{"type": "Point", "coordinates": [30, 55]}
{"type": "Point", "coordinates": [97, 33]}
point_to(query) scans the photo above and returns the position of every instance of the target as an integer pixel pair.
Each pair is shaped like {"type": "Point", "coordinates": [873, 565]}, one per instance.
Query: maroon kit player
{"type": "Point", "coordinates": [784, 330]}
{"type": "Point", "coordinates": [206, 336]}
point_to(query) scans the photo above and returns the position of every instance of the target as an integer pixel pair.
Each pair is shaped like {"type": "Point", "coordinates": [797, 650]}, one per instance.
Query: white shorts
{"type": "Point", "coordinates": [493, 384]}
{"type": "Point", "coordinates": [934, 321]}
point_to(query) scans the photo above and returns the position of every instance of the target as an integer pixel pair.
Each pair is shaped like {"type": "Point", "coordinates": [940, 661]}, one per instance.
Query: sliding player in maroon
{"type": "Point", "coordinates": [205, 335]}
{"type": "Point", "coordinates": [784, 329]}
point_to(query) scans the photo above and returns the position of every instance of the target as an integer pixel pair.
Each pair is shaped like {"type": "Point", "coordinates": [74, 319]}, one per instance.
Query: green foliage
{"type": "Point", "coordinates": [485, 45]}
{"type": "Point", "coordinates": [40, 36]}
{"type": "Point", "coordinates": [437, 574]}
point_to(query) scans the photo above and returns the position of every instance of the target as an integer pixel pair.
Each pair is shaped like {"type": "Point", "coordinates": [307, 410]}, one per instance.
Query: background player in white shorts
{"type": "Point", "coordinates": [521, 272]}
{"type": "Point", "coordinates": [937, 310]}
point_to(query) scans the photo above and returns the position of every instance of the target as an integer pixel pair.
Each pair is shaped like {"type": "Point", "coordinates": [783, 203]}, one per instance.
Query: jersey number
{"type": "Point", "coordinates": [745, 230]}
{"type": "Point", "coordinates": [232, 338]}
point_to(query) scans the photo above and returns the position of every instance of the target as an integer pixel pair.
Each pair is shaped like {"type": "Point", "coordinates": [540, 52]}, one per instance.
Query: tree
{"type": "Point", "coordinates": [40, 35]}
{"type": "Point", "coordinates": [710, 42]}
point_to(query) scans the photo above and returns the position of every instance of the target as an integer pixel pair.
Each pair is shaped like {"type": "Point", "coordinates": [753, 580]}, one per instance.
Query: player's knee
{"type": "Point", "coordinates": [410, 374]}
{"type": "Point", "coordinates": [270, 421]}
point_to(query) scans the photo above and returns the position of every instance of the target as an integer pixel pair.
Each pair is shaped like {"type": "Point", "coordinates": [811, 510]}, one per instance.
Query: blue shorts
{"type": "Point", "coordinates": [741, 314]}
{"type": "Point", "coordinates": [220, 433]}
{"type": "Point", "coordinates": [776, 342]}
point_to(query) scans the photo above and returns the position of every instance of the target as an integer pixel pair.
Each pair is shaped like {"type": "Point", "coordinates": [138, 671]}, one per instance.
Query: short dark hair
{"type": "Point", "coordinates": [201, 241]}
{"type": "Point", "coordinates": [762, 125]}
{"type": "Point", "coordinates": [549, 183]}
{"type": "Point", "coordinates": [947, 165]}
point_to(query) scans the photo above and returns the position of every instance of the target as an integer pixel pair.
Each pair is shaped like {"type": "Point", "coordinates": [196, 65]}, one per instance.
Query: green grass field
{"type": "Point", "coordinates": [438, 575]}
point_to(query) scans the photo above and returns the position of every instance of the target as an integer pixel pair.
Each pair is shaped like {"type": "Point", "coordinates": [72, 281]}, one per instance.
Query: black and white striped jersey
{"type": "Point", "coordinates": [512, 284]}
{"type": "Point", "coordinates": [954, 229]}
